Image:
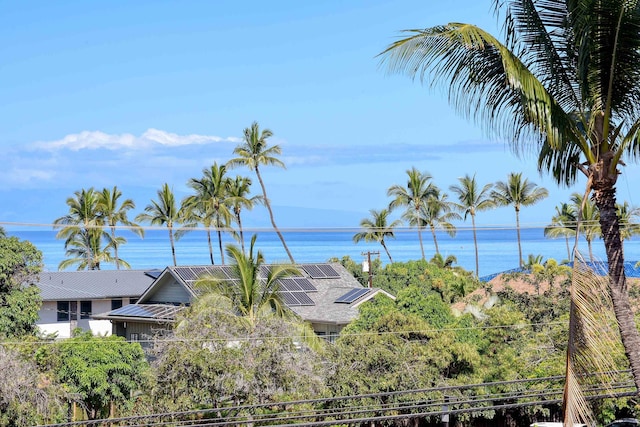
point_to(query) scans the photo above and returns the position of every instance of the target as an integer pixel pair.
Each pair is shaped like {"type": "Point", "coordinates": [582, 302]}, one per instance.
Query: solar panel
{"type": "Point", "coordinates": [147, 311]}
{"type": "Point", "coordinates": [185, 273]}
{"type": "Point", "coordinates": [200, 271]}
{"type": "Point", "coordinates": [293, 299]}
{"type": "Point", "coordinates": [353, 295]}
{"type": "Point", "coordinates": [264, 270]}
{"type": "Point", "coordinates": [153, 273]}
{"type": "Point", "coordinates": [321, 271]}
{"type": "Point", "coordinates": [305, 284]}
{"type": "Point", "coordinates": [288, 284]}
{"type": "Point", "coordinates": [303, 298]}
{"type": "Point", "coordinates": [288, 298]}
{"type": "Point", "coordinates": [227, 270]}
{"type": "Point", "coordinates": [313, 271]}
{"type": "Point", "coordinates": [328, 271]}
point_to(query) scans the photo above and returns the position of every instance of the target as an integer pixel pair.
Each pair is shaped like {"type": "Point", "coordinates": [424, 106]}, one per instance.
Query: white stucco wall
{"type": "Point", "coordinates": [48, 323]}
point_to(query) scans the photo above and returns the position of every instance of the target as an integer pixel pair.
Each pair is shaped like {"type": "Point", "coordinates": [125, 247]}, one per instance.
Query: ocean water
{"type": "Point", "coordinates": [498, 248]}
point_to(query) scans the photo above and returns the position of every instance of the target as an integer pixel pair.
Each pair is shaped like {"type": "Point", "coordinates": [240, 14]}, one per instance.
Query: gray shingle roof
{"type": "Point", "coordinates": [324, 308]}
{"type": "Point", "coordinates": [94, 284]}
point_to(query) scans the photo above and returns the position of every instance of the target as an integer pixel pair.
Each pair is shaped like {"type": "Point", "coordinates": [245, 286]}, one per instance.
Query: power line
{"type": "Point", "coordinates": [357, 408]}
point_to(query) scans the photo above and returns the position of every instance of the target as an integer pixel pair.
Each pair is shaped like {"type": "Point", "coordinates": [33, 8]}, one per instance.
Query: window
{"type": "Point", "coordinates": [85, 309]}
{"type": "Point", "coordinates": [133, 300]}
{"type": "Point", "coordinates": [63, 311]}
{"type": "Point", "coordinates": [73, 310]}
{"type": "Point", "coordinates": [133, 337]}
{"type": "Point", "coordinates": [116, 304]}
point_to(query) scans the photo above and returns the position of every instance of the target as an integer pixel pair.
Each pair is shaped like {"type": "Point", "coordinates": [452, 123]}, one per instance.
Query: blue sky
{"type": "Point", "coordinates": [135, 94]}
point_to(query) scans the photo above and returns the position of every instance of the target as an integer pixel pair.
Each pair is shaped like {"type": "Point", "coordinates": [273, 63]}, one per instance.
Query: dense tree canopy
{"type": "Point", "coordinates": [20, 266]}
{"type": "Point", "coordinates": [98, 371]}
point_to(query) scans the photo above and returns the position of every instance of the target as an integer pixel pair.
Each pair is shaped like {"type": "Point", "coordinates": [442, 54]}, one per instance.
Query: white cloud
{"type": "Point", "coordinates": [92, 140]}
{"type": "Point", "coordinates": [173, 139]}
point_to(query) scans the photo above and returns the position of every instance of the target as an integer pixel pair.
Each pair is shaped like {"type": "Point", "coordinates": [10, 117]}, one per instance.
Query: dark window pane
{"type": "Point", "coordinates": [63, 311]}
{"type": "Point", "coordinates": [85, 309]}
{"type": "Point", "coordinates": [73, 310]}
{"type": "Point", "coordinates": [116, 304]}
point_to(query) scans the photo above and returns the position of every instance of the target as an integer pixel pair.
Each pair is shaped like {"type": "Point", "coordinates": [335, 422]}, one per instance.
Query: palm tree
{"type": "Point", "coordinates": [251, 296]}
{"type": "Point", "coordinates": [254, 152]}
{"type": "Point", "coordinates": [627, 215]}
{"type": "Point", "coordinates": [442, 262]}
{"type": "Point", "coordinates": [85, 251]}
{"type": "Point", "coordinates": [238, 198]}
{"type": "Point", "coordinates": [588, 223]}
{"type": "Point", "coordinates": [113, 214]}
{"type": "Point", "coordinates": [438, 214]}
{"type": "Point", "coordinates": [563, 223]}
{"type": "Point", "coordinates": [82, 224]}
{"type": "Point", "coordinates": [165, 212]}
{"type": "Point", "coordinates": [565, 80]}
{"type": "Point", "coordinates": [414, 198]}
{"type": "Point", "coordinates": [209, 204]}
{"type": "Point", "coordinates": [376, 229]}
{"type": "Point", "coordinates": [518, 193]}
{"type": "Point", "coordinates": [471, 200]}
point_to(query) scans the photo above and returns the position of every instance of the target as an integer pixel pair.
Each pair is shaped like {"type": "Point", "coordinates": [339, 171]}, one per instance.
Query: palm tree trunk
{"type": "Point", "coordinates": [386, 250]}
{"type": "Point", "coordinates": [240, 230]}
{"type": "Point", "coordinates": [173, 246]}
{"type": "Point", "coordinates": [590, 249]}
{"type": "Point", "coordinates": [566, 240]}
{"type": "Point", "coordinates": [115, 247]}
{"type": "Point", "coordinates": [475, 243]}
{"type": "Point", "coordinates": [605, 201]}
{"type": "Point", "coordinates": [220, 245]}
{"type": "Point", "coordinates": [435, 240]}
{"type": "Point", "coordinates": [210, 245]}
{"type": "Point", "coordinates": [520, 260]}
{"type": "Point", "coordinates": [420, 238]}
{"type": "Point", "coordinates": [273, 222]}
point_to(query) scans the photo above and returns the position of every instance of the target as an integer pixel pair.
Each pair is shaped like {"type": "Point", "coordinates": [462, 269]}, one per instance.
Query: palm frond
{"type": "Point", "coordinates": [592, 335]}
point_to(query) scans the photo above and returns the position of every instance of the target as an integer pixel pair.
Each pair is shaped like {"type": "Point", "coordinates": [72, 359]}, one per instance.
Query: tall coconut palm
{"type": "Point", "coordinates": [164, 212]}
{"type": "Point", "coordinates": [564, 79]}
{"type": "Point", "coordinates": [377, 228]}
{"type": "Point", "coordinates": [588, 224]}
{"type": "Point", "coordinates": [438, 214]}
{"type": "Point", "coordinates": [114, 213]}
{"type": "Point", "coordinates": [414, 198]}
{"type": "Point", "coordinates": [82, 224]}
{"type": "Point", "coordinates": [517, 192]}
{"type": "Point", "coordinates": [209, 204]}
{"type": "Point", "coordinates": [628, 216]}
{"type": "Point", "coordinates": [254, 152]}
{"type": "Point", "coordinates": [471, 200]}
{"type": "Point", "coordinates": [238, 198]}
{"type": "Point", "coordinates": [252, 295]}
{"type": "Point", "coordinates": [85, 250]}
{"type": "Point", "coordinates": [563, 224]}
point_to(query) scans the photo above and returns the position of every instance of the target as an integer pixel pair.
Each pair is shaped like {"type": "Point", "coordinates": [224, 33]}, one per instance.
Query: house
{"type": "Point", "coordinates": [326, 295]}
{"type": "Point", "coordinates": [70, 298]}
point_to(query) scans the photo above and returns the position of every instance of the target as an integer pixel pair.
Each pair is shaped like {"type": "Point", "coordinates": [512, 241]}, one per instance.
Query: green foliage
{"type": "Point", "coordinates": [428, 305]}
{"type": "Point", "coordinates": [451, 283]}
{"type": "Point", "coordinates": [26, 397]}
{"type": "Point", "coordinates": [20, 265]}
{"type": "Point", "coordinates": [97, 371]}
{"type": "Point", "coordinates": [213, 359]}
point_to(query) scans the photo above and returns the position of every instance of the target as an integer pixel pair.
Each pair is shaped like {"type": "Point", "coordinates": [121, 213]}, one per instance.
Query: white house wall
{"type": "Point", "coordinates": [48, 323]}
